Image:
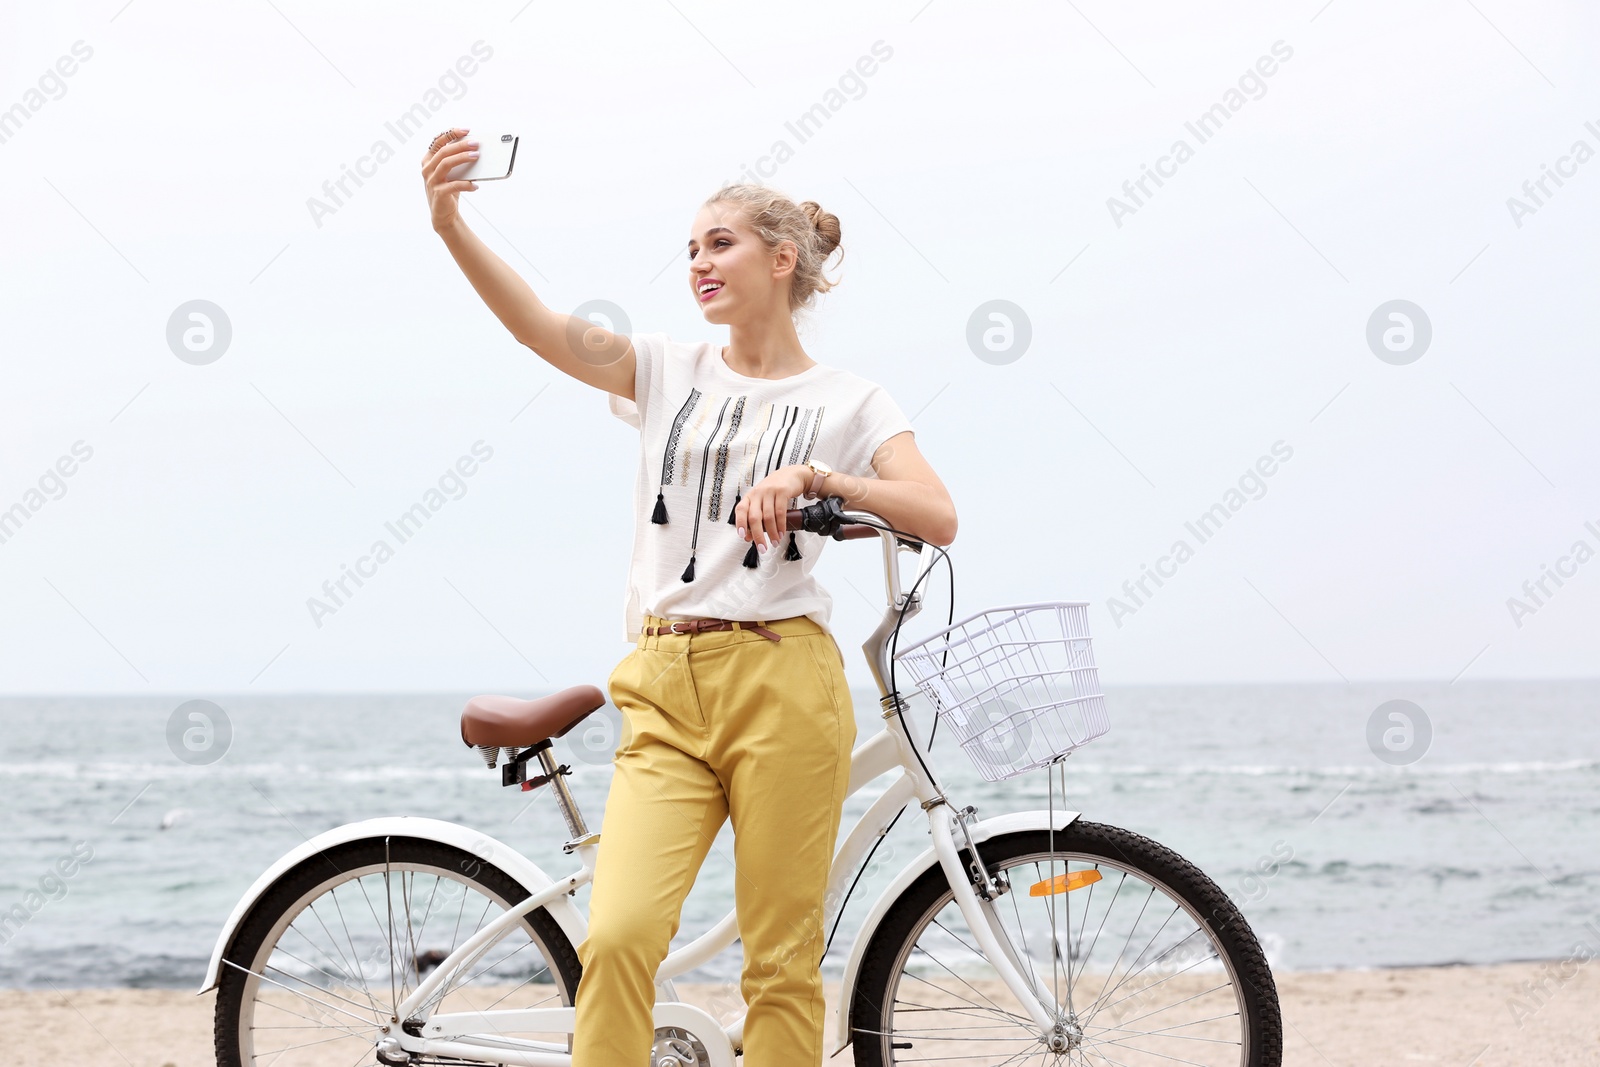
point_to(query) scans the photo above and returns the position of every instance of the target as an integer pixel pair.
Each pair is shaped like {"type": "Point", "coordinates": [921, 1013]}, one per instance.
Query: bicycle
{"type": "Point", "coordinates": [338, 953]}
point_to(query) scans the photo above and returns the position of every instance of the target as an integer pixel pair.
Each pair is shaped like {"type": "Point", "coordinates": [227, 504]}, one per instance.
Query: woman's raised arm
{"type": "Point", "coordinates": [587, 352]}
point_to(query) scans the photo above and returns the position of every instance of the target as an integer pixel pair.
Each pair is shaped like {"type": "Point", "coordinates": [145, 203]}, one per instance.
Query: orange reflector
{"type": "Point", "coordinates": [1063, 883]}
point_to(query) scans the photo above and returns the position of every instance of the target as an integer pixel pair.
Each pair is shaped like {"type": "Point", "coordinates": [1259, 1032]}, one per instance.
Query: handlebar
{"type": "Point", "coordinates": [826, 516]}
{"type": "Point", "coordinates": [830, 516]}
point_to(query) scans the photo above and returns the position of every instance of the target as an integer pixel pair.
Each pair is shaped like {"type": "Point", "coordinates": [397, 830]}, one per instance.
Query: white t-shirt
{"type": "Point", "coordinates": [707, 434]}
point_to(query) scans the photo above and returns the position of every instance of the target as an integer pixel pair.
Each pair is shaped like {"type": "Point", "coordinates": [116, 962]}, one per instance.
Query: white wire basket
{"type": "Point", "coordinates": [1017, 684]}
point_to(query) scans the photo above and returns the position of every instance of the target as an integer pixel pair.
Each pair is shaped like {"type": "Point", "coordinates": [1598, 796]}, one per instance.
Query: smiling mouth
{"type": "Point", "coordinates": [707, 294]}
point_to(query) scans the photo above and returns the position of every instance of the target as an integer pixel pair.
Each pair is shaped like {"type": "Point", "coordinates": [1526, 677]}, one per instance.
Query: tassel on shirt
{"type": "Point", "coordinates": [752, 558]}
{"type": "Point", "coordinates": [688, 572]}
{"type": "Point", "coordinates": [659, 516]}
{"type": "Point", "coordinates": [736, 497]}
{"type": "Point", "coordinates": [793, 552]}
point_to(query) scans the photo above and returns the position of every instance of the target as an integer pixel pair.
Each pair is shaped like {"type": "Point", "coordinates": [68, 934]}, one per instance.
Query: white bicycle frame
{"type": "Point", "coordinates": [472, 1035]}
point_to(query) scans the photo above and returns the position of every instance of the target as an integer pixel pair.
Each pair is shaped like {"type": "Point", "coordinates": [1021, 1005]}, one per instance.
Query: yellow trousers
{"type": "Point", "coordinates": [720, 725]}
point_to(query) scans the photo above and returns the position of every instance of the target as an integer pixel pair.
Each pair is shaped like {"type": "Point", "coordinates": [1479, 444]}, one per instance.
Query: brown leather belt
{"type": "Point", "coordinates": [696, 626]}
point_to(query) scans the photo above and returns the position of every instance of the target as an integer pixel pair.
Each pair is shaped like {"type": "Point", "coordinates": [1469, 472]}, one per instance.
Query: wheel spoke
{"type": "Point", "coordinates": [303, 996]}
{"type": "Point", "coordinates": [1147, 1052]}
{"type": "Point", "coordinates": [426, 915]}
{"type": "Point", "coordinates": [379, 924]}
{"type": "Point", "coordinates": [970, 986]}
{"type": "Point", "coordinates": [1152, 985]}
{"type": "Point", "coordinates": [304, 1044]}
{"type": "Point", "coordinates": [320, 1024]}
{"type": "Point", "coordinates": [350, 939]}
{"type": "Point", "coordinates": [296, 978]}
{"type": "Point", "coordinates": [1133, 967]}
{"type": "Point", "coordinates": [357, 976]}
{"type": "Point", "coordinates": [1121, 878]}
{"type": "Point", "coordinates": [1186, 1037]}
{"type": "Point", "coordinates": [1137, 919]}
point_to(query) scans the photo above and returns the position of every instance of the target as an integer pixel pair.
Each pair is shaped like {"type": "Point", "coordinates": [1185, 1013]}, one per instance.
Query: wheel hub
{"type": "Point", "coordinates": [1067, 1035]}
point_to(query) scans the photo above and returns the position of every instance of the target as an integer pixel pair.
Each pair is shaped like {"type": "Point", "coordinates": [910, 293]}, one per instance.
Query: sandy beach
{"type": "Point", "coordinates": [1459, 1016]}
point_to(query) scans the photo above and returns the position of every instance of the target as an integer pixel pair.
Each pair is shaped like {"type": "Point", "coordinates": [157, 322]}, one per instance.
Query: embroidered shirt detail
{"type": "Point", "coordinates": [704, 428]}
{"type": "Point", "coordinates": [722, 460]}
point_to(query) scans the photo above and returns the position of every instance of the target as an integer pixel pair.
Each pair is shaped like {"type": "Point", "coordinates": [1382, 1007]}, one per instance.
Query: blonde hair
{"type": "Point", "coordinates": [776, 218]}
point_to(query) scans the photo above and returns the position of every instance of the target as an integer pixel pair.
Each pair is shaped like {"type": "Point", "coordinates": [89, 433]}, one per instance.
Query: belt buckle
{"type": "Point", "coordinates": [674, 628]}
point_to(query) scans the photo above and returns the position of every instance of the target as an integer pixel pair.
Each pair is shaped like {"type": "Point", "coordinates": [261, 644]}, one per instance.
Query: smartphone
{"type": "Point", "coordinates": [496, 154]}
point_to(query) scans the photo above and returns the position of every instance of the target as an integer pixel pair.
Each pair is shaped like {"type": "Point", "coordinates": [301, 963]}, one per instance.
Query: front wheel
{"type": "Point", "coordinates": [331, 948]}
{"type": "Point", "coordinates": [1145, 959]}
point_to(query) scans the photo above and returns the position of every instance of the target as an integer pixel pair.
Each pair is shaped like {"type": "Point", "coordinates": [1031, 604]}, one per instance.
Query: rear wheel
{"type": "Point", "coordinates": [1146, 960]}
{"type": "Point", "coordinates": [334, 945]}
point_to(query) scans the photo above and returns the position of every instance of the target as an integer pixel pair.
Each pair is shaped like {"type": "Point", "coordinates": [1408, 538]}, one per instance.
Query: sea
{"type": "Point", "coordinates": [1465, 830]}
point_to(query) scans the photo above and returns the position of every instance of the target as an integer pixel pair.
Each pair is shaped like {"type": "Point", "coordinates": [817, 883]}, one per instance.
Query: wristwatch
{"type": "Point", "coordinates": [819, 471]}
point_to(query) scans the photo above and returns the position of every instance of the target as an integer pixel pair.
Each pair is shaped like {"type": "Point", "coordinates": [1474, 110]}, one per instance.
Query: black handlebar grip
{"type": "Point", "coordinates": [826, 517]}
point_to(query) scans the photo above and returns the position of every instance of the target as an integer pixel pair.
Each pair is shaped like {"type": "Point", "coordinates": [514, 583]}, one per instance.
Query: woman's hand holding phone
{"type": "Point", "coordinates": [454, 149]}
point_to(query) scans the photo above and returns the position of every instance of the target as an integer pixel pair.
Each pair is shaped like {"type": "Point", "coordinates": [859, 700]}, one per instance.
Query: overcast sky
{"type": "Point", "coordinates": [1427, 459]}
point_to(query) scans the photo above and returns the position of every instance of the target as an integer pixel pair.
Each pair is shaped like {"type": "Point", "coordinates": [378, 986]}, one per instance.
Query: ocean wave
{"type": "Point", "coordinates": [1256, 770]}
{"type": "Point", "coordinates": [144, 771]}
{"type": "Point", "coordinates": [116, 772]}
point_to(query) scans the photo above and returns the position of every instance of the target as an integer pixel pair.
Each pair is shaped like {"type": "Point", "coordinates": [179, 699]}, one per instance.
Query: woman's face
{"type": "Point", "coordinates": [723, 249]}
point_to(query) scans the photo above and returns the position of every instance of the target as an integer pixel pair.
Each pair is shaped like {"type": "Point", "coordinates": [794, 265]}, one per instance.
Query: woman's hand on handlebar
{"type": "Point", "coordinates": [454, 148]}
{"type": "Point", "coordinates": [762, 514]}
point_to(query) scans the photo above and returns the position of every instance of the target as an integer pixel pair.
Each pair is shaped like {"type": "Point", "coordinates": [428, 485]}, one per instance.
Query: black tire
{"type": "Point", "coordinates": [313, 881]}
{"type": "Point", "coordinates": [1114, 854]}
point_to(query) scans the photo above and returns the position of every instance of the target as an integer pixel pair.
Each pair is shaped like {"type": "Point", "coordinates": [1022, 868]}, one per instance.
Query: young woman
{"type": "Point", "coordinates": [734, 697]}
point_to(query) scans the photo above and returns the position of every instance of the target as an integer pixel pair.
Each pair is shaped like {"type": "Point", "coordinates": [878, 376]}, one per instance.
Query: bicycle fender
{"type": "Point", "coordinates": [982, 830]}
{"type": "Point", "coordinates": [486, 848]}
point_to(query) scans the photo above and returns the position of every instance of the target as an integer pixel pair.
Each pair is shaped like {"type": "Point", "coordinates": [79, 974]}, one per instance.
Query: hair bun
{"type": "Point", "coordinates": [826, 224]}
{"type": "Point", "coordinates": [776, 221]}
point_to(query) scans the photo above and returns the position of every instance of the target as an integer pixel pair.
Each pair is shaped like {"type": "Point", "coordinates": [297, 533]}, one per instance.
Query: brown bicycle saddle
{"type": "Point", "coordinates": [508, 722]}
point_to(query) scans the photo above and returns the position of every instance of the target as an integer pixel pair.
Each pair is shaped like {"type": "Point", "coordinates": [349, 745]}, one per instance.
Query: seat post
{"type": "Point", "coordinates": [564, 801]}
